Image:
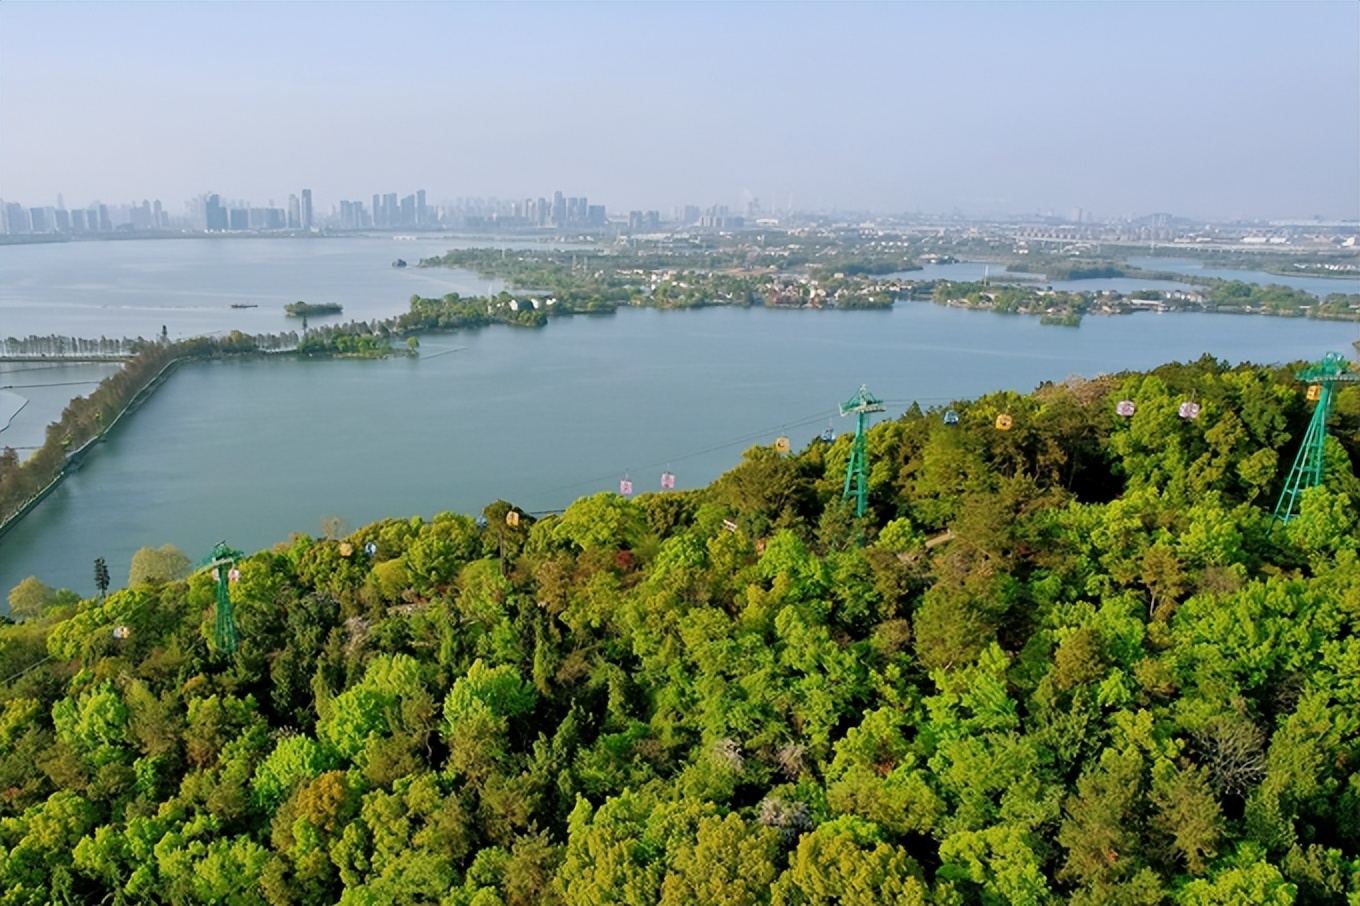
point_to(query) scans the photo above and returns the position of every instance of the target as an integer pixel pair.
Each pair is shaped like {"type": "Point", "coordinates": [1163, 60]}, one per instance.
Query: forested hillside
{"type": "Point", "coordinates": [1070, 662]}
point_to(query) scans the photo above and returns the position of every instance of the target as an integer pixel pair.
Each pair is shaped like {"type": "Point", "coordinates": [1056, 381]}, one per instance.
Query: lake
{"type": "Point", "coordinates": [1190, 267]}
{"type": "Point", "coordinates": [134, 288]}
{"type": "Point", "coordinates": [1193, 267]}
{"type": "Point", "coordinates": [249, 451]}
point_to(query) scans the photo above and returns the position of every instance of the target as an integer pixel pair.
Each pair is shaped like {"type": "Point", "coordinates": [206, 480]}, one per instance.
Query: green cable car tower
{"type": "Point", "coordinates": [857, 470]}
{"type": "Point", "coordinates": [222, 561]}
{"type": "Point", "coordinates": [1307, 471]}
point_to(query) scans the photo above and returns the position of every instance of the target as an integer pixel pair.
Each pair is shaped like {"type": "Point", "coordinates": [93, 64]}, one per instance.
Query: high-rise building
{"type": "Point", "coordinates": [78, 221]}
{"type": "Point", "coordinates": [105, 224]}
{"type": "Point", "coordinates": [216, 214]}
{"type": "Point", "coordinates": [16, 218]}
{"type": "Point", "coordinates": [63, 220]}
{"type": "Point", "coordinates": [38, 219]}
{"type": "Point", "coordinates": [307, 220]}
{"type": "Point", "coordinates": [421, 216]}
{"type": "Point", "coordinates": [408, 211]}
{"type": "Point", "coordinates": [294, 212]}
{"type": "Point", "coordinates": [559, 210]}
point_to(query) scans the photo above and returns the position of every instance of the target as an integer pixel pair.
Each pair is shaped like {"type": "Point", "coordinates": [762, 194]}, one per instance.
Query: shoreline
{"type": "Point", "coordinates": [73, 460]}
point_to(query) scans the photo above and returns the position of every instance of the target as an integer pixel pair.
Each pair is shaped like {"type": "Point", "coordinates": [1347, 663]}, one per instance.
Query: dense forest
{"type": "Point", "coordinates": [1068, 662]}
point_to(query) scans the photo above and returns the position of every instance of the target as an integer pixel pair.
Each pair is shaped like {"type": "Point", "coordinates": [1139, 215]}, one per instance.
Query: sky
{"type": "Point", "coordinates": [1203, 109]}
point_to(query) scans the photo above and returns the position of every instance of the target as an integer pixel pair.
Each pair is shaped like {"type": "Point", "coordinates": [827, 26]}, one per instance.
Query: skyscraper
{"type": "Point", "coordinates": [16, 218]}
{"type": "Point", "coordinates": [307, 209]}
{"type": "Point", "coordinates": [217, 215]}
{"type": "Point", "coordinates": [421, 214]}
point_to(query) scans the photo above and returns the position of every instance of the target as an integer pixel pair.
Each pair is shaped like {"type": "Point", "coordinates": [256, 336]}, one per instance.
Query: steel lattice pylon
{"type": "Point", "coordinates": [221, 561]}
{"type": "Point", "coordinates": [1307, 471]}
{"type": "Point", "coordinates": [857, 470]}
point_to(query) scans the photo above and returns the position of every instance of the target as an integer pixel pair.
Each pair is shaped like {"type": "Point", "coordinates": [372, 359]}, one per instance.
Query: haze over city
{"type": "Point", "coordinates": [1217, 111]}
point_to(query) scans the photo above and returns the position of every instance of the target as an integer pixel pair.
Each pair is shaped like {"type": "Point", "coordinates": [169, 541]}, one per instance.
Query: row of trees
{"type": "Point", "coordinates": [82, 420]}
{"type": "Point", "coordinates": [58, 347]}
{"type": "Point", "coordinates": [1072, 662]}
{"type": "Point", "coordinates": [86, 417]}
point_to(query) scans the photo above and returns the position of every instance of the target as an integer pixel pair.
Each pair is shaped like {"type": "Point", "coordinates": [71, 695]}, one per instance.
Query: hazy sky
{"type": "Point", "coordinates": [1214, 110]}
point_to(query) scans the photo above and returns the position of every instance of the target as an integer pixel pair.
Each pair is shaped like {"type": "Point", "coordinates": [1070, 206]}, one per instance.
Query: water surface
{"type": "Point", "coordinates": [249, 451]}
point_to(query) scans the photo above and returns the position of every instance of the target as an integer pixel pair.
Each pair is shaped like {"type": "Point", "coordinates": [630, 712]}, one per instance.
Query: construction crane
{"type": "Point", "coordinates": [222, 561]}
{"type": "Point", "coordinates": [1307, 472]}
{"type": "Point", "coordinates": [857, 469]}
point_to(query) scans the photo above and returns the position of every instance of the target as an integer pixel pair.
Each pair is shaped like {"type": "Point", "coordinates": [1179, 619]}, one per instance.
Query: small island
{"type": "Point", "coordinates": [307, 309]}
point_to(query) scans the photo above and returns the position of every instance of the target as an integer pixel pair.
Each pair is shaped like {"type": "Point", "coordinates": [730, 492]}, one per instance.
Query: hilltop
{"type": "Point", "coordinates": [1071, 661]}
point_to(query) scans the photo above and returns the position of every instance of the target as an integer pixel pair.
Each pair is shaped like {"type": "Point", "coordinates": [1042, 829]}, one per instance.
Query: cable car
{"type": "Point", "coordinates": [512, 518]}
{"type": "Point", "coordinates": [828, 435]}
{"type": "Point", "coordinates": [781, 443]}
{"type": "Point", "coordinates": [121, 633]}
{"type": "Point", "coordinates": [951, 417]}
{"type": "Point", "coordinates": [1126, 408]}
{"type": "Point", "coordinates": [667, 481]}
{"type": "Point", "coordinates": [1314, 392]}
{"type": "Point", "coordinates": [346, 549]}
{"type": "Point", "coordinates": [1189, 410]}
{"type": "Point", "coordinates": [370, 548]}
{"type": "Point", "coordinates": [626, 488]}
{"type": "Point", "coordinates": [482, 522]}
{"type": "Point", "coordinates": [1003, 422]}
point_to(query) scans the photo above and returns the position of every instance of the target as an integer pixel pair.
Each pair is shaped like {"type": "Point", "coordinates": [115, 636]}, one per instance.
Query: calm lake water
{"type": "Point", "coordinates": [974, 270]}
{"type": "Point", "coordinates": [1192, 267]}
{"type": "Point", "coordinates": [134, 288]}
{"type": "Point", "coordinates": [251, 451]}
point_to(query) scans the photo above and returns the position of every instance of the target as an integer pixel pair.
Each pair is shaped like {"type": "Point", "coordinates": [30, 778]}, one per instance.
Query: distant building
{"type": "Point", "coordinates": [16, 218]}
{"type": "Point", "coordinates": [294, 212]}
{"type": "Point", "coordinates": [216, 214]}
{"type": "Point", "coordinates": [306, 214]}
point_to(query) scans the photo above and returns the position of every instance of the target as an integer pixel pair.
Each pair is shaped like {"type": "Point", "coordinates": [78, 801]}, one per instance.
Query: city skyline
{"type": "Point", "coordinates": [210, 212]}
{"type": "Point", "coordinates": [1215, 111]}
